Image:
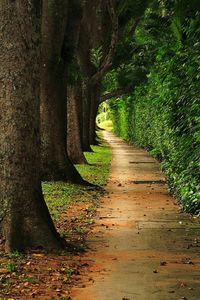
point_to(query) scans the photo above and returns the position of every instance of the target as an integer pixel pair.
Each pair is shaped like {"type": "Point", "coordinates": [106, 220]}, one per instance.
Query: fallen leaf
{"type": "Point", "coordinates": [190, 262]}
{"type": "Point", "coordinates": [38, 254]}
{"type": "Point", "coordinates": [26, 283]}
{"type": "Point", "coordinates": [183, 284]}
{"type": "Point", "coordinates": [155, 271]}
{"type": "Point", "coordinates": [83, 286]}
{"type": "Point", "coordinates": [3, 271]}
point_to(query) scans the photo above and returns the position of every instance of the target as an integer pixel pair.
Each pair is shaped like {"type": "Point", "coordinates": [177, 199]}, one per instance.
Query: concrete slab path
{"type": "Point", "coordinates": [143, 247]}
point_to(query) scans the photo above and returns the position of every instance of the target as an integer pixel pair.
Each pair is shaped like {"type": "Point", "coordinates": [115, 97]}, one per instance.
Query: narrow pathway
{"type": "Point", "coordinates": [142, 246]}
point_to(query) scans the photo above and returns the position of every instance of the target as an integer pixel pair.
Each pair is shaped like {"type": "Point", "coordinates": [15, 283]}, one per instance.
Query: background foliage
{"type": "Point", "coordinates": [163, 112]}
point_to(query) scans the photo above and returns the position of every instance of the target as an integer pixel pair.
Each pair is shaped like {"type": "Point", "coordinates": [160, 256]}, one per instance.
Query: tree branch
{"type": "Point", "coordinates": [116, 93]}
{"type": "Point", "coordinates": [107, 62]}
{"type": "Point", "coordinates": [134, 27]}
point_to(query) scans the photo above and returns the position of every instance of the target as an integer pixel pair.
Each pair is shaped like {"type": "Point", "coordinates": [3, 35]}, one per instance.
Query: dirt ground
{"type": "Point", "coordinates": [143, 247]}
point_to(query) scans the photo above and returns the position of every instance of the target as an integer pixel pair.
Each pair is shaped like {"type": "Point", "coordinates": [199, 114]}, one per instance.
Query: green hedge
{"type": "Point", "coordinates": [164, 116]}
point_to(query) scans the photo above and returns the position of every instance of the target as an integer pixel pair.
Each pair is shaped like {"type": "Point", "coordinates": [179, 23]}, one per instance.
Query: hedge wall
{"type": "Point", "coordinates": [163, 115]}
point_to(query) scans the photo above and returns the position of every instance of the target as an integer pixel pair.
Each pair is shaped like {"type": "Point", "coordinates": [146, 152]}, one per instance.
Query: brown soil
{"type": "Point", "coordinates": [38, 275]}
{"type": "Point", "coordinates": [142, 247]}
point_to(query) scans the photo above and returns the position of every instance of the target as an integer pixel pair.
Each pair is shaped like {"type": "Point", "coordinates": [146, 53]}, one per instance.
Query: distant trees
{"type": "Point", "coordinates": [95, 49]}
{"type": "Point", "coordinates": [103, 26]}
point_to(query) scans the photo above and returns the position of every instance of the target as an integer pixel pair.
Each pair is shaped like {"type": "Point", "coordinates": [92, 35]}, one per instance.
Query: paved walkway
{"type": "Point", "coordinates": [142, 246]}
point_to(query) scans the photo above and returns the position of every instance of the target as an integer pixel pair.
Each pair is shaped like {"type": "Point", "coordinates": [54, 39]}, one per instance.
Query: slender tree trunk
{"type": "Point", "coordinates": [56, 164]}
{"type": "Point", "coordinates": [24, 218]}
{"type": "Point", "coordinates": [92, 132]}
{"type": "Point", "coordinates": [74, 144]}
{"type": "Point", "coordinates": [86, 105]}
{"type": "Point", "coordinates": [95, 96]}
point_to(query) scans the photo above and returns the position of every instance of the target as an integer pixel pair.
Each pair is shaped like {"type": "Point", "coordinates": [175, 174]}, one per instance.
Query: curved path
{"type": "Point", "coordinates": [142, 246]}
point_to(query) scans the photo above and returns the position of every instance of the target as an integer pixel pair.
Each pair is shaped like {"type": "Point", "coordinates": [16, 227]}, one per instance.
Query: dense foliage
{"type": "Point", "coordinates": [163, 113]}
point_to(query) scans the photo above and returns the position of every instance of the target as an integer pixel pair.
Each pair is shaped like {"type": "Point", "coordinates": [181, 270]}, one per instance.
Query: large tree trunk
{"type": "Point", "coordinates": [74, 144]}
{"type": "Point", "coordinates": [55, 162]}
{"type": "Point", "coordinates": [24, 218]}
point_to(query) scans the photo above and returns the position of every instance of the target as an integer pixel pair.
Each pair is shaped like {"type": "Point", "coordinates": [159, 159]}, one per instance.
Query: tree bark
{"type": "Point", "coordinates": [86, 106]}
{"type": "Point", "coordinates": [74, 143]}
{"type": "Point", "coordinates": [74, 99]}
{"type": "Point", "coordinates": [24, 218]}
{"type": "Point", "coordinates": [114, 94]}
{"type": "Point", "coordinates": [56, 164]}
{"type": "Point", "coordinates": [95, 97]}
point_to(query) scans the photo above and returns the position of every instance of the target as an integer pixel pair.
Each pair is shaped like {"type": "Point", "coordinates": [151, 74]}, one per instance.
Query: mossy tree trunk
{"type": "Point", "coordinates": [24, 218]}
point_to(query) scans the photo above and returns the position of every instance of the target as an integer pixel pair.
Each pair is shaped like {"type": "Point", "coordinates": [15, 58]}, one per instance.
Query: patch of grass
{"type": "Point", "coordinates": [32, 280]}
{"type": "Point", "coordinates": [69, 272]}
{"type": "Point", "coordinates": [91, 209]}
{"type": "Point", "coordinates": [59, 195]}
{"type": "Point", "coordinates": [80, 230]}
{"type": "Point", "coordinates": [89, 221]}
{"type": "Point", "coordinates": [16, 254]}
{"type": "Point", "coordinates": [5, 285]}
{"type": "Point", "coordinates": [11, 267]}
{"type": "Point", "coordinates": [97, 170]}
